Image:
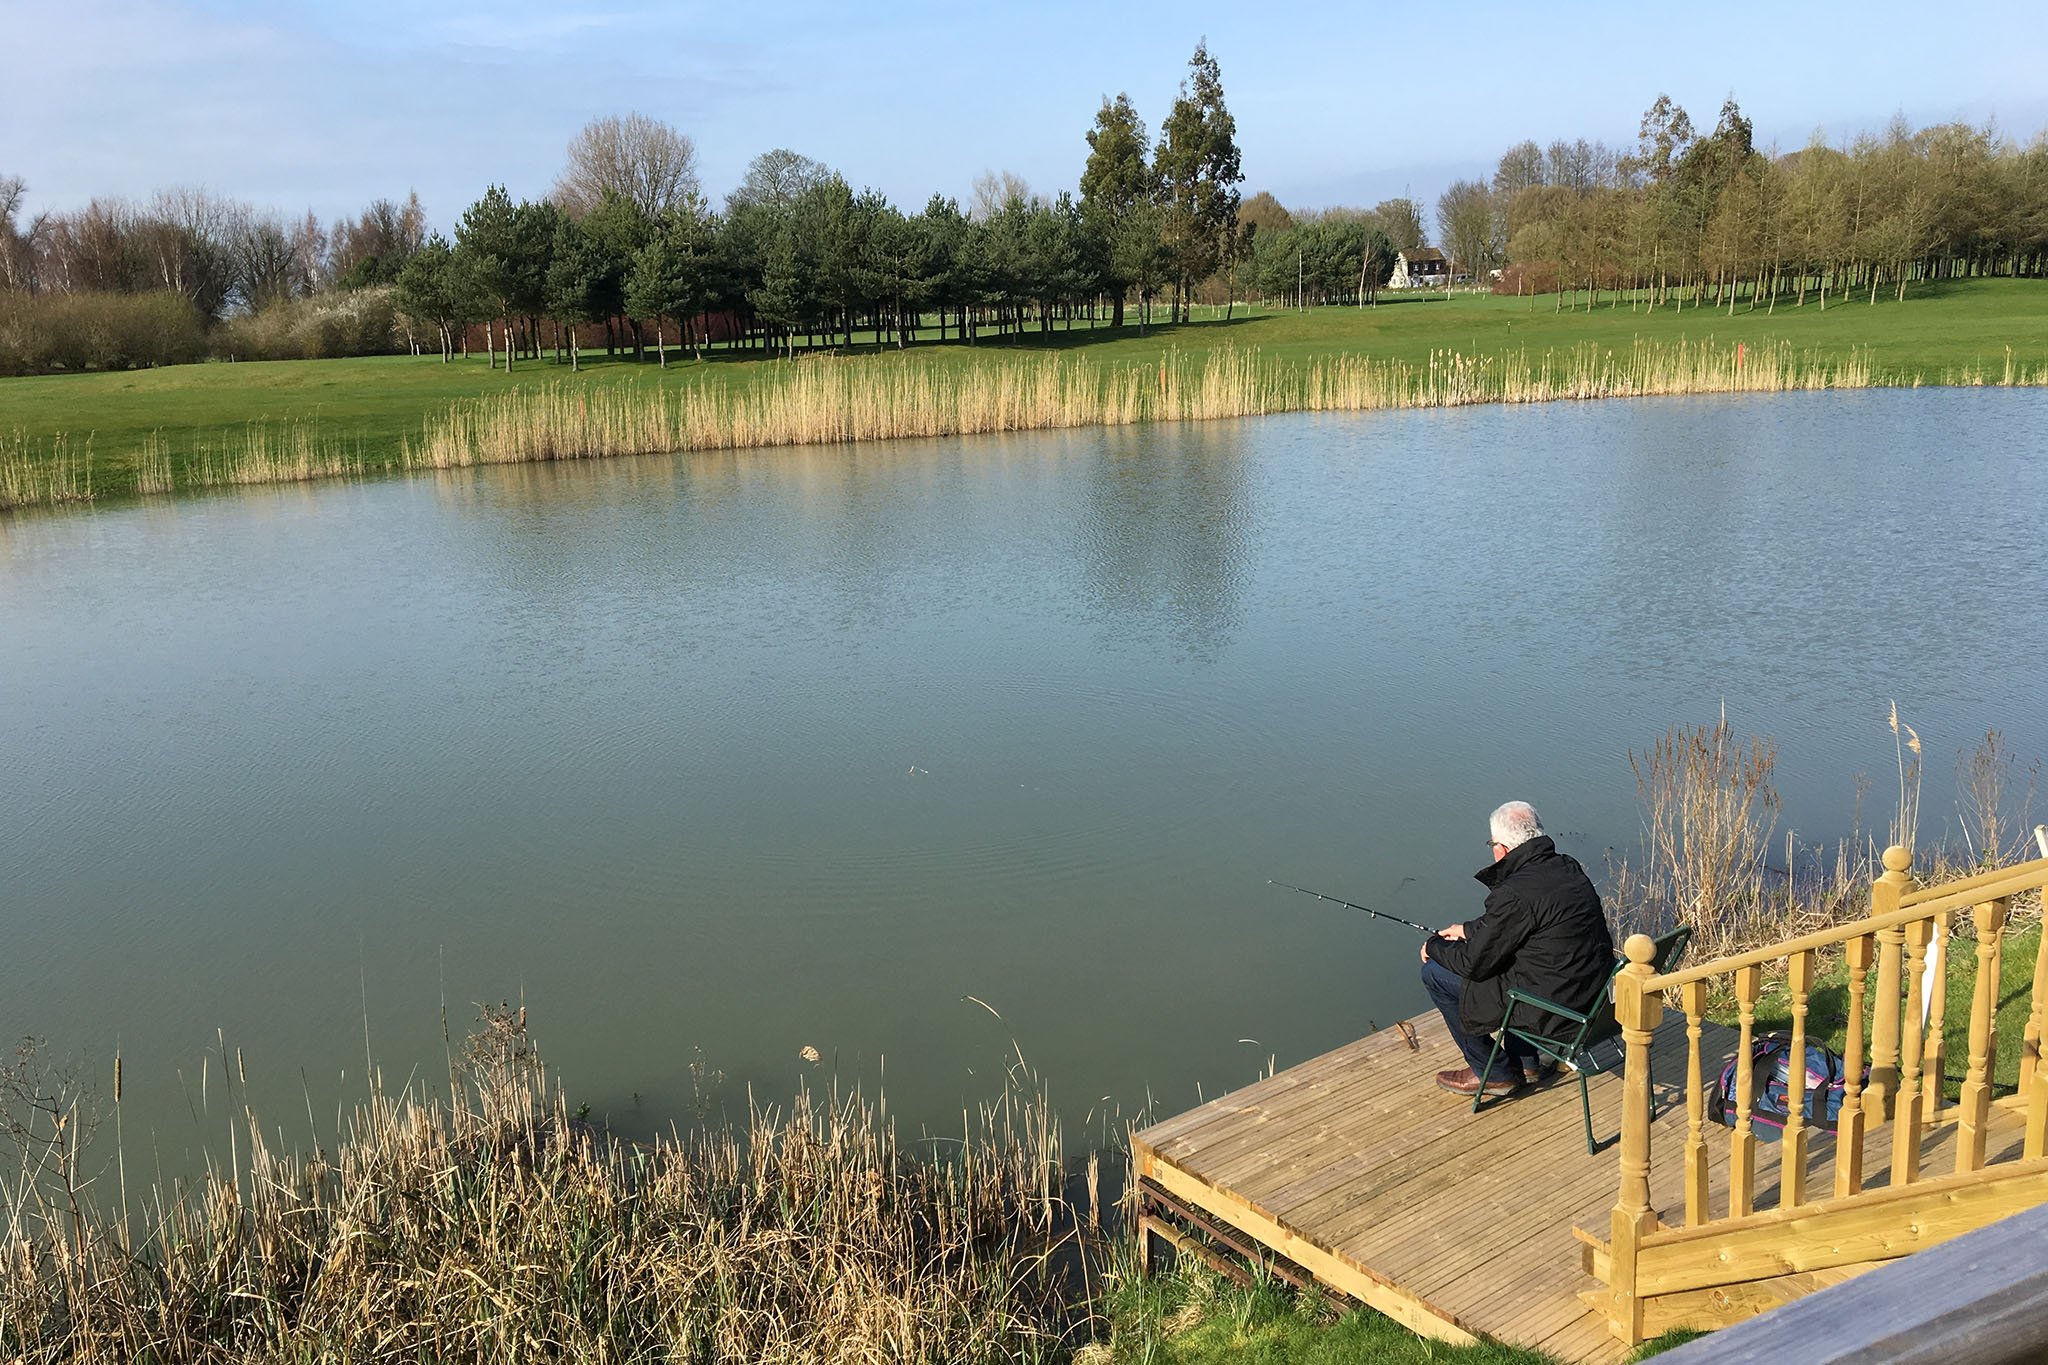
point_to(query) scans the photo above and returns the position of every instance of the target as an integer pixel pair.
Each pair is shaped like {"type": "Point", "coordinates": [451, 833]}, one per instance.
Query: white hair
{"type": "Point", "coordinates": [1515, 824]}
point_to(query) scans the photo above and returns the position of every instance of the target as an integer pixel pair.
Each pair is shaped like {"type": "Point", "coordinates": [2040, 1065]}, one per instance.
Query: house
{"type": "Point", "coordinates": [1422, 267]}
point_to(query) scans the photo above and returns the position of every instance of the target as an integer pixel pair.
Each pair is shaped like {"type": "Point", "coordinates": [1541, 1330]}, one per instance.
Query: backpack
{"type": "Point", "coordinates": [1771, 1060]}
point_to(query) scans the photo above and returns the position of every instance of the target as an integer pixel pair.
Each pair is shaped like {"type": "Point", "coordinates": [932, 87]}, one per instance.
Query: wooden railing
{"type": "Point", "coordinates": [1721, 1265]}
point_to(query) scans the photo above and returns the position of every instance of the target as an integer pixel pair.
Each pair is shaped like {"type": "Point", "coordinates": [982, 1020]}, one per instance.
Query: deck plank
{"type": "Point", "coordinates": [1467, 1218]}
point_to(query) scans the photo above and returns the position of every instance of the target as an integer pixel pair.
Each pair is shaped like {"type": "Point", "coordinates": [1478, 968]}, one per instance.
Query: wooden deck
{"type": "Point", "coordinates": [1357, 1168]}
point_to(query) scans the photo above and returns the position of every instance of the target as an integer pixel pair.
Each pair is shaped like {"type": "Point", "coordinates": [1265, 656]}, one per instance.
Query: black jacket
{"type": "Point", "coordinates": [1543, 933]}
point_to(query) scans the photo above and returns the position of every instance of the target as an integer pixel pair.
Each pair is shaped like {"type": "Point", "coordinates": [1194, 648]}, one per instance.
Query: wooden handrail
{"type": "Point", "coordinates": [1894, 969]}
{"type": "Point", "coordinates": [1983, 887]}
{"type": "Point", "coordinates": [1977, 881]}
{"type": "Point", "coordinates": [2020, 877]}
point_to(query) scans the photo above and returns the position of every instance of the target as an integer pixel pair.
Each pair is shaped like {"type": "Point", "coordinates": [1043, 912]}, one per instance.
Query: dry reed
{"type": "Point", "coordinates": [825, 400]}
{"type": "Point", "coordinates": [493, 1226]}
{"type": "Point", "coordinates": [34, 473]}
{"type": "Point", "coordinates": [1708, 809]}
{"type": "Point", "coordinates": [1709, 806]}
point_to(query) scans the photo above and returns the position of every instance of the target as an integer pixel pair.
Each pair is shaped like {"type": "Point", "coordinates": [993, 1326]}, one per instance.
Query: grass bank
{"type": "Point", "coordinates": [1191, 1316]}
{"type": "Point", "coordinates": [80, 437]}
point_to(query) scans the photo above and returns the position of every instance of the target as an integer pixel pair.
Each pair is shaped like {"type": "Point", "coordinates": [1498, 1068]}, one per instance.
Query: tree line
{"type": "Point", "coordinates": [1715, 219]}
{"type": "Point", "coordinates": [626, 247]}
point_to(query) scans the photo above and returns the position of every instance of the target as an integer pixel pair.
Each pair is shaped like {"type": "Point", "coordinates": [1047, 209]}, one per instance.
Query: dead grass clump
{"type": "Point", "coordinates": [1709, 809]}
{"type": "Point", "coordinates": [494, 1226]}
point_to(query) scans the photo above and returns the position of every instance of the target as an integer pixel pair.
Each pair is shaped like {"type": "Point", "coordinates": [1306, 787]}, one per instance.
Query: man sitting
{"type": "Point", "coordinates": [1543, 933]}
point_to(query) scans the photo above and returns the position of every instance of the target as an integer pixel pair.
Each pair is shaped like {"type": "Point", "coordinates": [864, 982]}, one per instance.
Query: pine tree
{"type": "Point", "coordinates": [1115, 184]}
{"type": "Point", "coordinates": [1199, 169]}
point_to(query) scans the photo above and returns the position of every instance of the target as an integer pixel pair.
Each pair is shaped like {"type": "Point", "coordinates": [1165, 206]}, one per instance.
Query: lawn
{"type": "Point", "coordinates": [1942, 333]}
{"type": "Point", "coordinates": [1190, 1316]}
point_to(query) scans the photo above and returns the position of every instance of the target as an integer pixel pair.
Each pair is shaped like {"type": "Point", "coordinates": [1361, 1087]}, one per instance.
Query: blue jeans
{"type": "Point", "coordinates": [1444, 987]}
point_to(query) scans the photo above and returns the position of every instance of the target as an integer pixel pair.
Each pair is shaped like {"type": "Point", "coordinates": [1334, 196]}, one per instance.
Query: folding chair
{"type": "Point", "coordinates": [1581, 1052]}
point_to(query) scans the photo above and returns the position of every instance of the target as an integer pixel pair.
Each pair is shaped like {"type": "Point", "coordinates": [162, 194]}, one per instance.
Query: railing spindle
{"type": "Point", "coordinates": [1934, 1052]}
{"type": "Point", "coordinates": [1885, 894]}
{"type": "Point", "coordinates": [1792, 1153]}
{"type": "Point", "coordinates": [1849, 1129]}
{"type": "Point", "coordinates": [1742, 1142]}
{"type": "Point", "coordinates": [1637, 1011]}
{"type": "Point", "coordinates": [1906, 1112]}
{"type": "Point", "coordinates": [1975, 1101]}
{"type": "Point", "coordinates": [1694, 995]}
{"type": "Point", "coordinates": [2033, 1068]}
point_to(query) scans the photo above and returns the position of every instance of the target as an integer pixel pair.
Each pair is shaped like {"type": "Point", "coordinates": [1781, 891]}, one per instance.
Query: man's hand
{"type": "Point", "coordinates": [1456, 931]}
{"type": "Point", "coordinates": [1425, 950]}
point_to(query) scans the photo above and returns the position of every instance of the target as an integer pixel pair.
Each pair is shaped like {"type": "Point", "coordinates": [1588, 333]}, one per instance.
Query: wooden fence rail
{"type": "Point", "coordinates": [1895, 963]}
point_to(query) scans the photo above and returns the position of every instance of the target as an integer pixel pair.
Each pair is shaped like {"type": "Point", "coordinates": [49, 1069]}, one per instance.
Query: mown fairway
{"type": "Point", "coordinates": [1943, 333]}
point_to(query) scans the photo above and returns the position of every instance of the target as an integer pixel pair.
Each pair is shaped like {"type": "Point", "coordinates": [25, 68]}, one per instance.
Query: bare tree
{"type": "Point", "coordinates": [1401, 220]}
{"type": "Point", "coordinates": [18, 244]}
{"type": "Point", "coordinates": [266, 258]}
{"type": "Point", "coordinates": [996, 190]}
{"type": "Point", "coordinates": [184, 236]}
{"type": "Point", "coordinates": [374, 247]}
{"type": "Point", "coordinates": [637, 158]}
{"type": "Point", "coordinates": [1469, 226]}
{"type": "Point", "coordinates": [778, 177]}
{"type": "Point", "coordinates": [1521, 167]}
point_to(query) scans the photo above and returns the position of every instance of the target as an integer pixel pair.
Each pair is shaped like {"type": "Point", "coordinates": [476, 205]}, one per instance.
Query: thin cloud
{"type": "Point", "coordinates": [523, 32]}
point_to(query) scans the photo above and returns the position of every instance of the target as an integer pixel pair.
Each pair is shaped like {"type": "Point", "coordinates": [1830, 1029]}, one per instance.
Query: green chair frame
{"type": "Point", "coordinates": [1595, 1027]}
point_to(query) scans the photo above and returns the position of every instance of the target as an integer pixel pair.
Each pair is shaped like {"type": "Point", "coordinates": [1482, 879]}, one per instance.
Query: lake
{"type": "Point", "coordinates": [938, 755]}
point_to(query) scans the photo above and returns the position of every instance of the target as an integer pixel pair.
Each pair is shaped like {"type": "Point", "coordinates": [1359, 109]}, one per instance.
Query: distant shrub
{"type": "Point", "coordinates": [339, 323]}
{"type": "Point", "coordinates": [1531, 277]}
{"type": "Point", "coordinates": [45, 333]}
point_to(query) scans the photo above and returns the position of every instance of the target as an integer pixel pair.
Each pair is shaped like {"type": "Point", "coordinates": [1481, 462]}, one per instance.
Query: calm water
{"type": "Point", "coordinates": [713, 759]}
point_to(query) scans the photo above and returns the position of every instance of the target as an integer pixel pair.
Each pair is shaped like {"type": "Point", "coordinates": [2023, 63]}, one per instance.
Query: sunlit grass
{"type": "Point", "coordinates": [173, 429]}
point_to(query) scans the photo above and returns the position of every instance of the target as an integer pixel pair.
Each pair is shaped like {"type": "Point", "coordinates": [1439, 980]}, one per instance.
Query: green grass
{"type": "Point", "coordinates": [1191, 1316]}
{"type": "Point", "coordinates": [1946, 332]}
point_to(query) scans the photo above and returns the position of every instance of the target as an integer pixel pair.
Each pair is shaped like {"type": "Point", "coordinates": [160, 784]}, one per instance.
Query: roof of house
{"type": "Point", "coordinates": [1421, 255]}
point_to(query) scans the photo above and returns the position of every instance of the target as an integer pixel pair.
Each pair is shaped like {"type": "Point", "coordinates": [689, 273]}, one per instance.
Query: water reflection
{"type": "Point", "coordinates": [1164, 534]}
{"type": "Point", "coordinates": [750, 752]}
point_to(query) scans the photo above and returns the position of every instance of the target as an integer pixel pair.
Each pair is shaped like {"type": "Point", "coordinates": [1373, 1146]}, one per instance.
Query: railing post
{"type": "Point", "coordinates": [2033, 1067]}
{"type": "Point", "coordinates": [1975, 1102]}
{"type": "Point", "coordinates": [1934, 1050]}
{"type": "Point", "coordinates": [1638, 1012]}
{"type": "Point", "coordinates": [1742, 1142]}
{"type": "Point", "coordinates": [1694, 995]}
{"type": "Point", "coordinates": [1885, 893]}
{"type": "Point", "coordinates": [1792, 1152]}
{"type": "Point", "coordinates": [1906, 1112]}
{"type": "Point", "coordinates": [1849, 1125]}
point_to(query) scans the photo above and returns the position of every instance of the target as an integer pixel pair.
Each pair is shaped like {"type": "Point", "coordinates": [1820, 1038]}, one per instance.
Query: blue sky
{"type": "Point", "coordinates": [327, 106]}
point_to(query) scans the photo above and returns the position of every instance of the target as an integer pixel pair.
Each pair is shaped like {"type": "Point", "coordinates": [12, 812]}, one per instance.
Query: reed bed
{"type": "Point", "coordinates": [1709, 859]}
{"type": "Point", "coordinates": [490, 1225]}
{"type": "Point", "coordinates": [36, 473]}
{"type": "Point", "coordinates": [823, 400]}
{"type": "Point", "coordinates": [61, 469]}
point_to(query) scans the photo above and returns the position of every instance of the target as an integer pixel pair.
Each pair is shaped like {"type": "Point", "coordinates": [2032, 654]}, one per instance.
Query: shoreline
{"type": "Point", "coordinates": [831, 400]}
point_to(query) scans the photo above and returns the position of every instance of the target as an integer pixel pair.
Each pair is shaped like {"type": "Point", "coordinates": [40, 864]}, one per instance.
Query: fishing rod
{"type": "Point", "coordinates": [1337, 900]}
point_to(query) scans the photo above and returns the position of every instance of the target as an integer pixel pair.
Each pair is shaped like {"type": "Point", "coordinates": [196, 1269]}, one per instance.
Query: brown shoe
{"type": "Point", "coordinates": [1464, 1082]}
